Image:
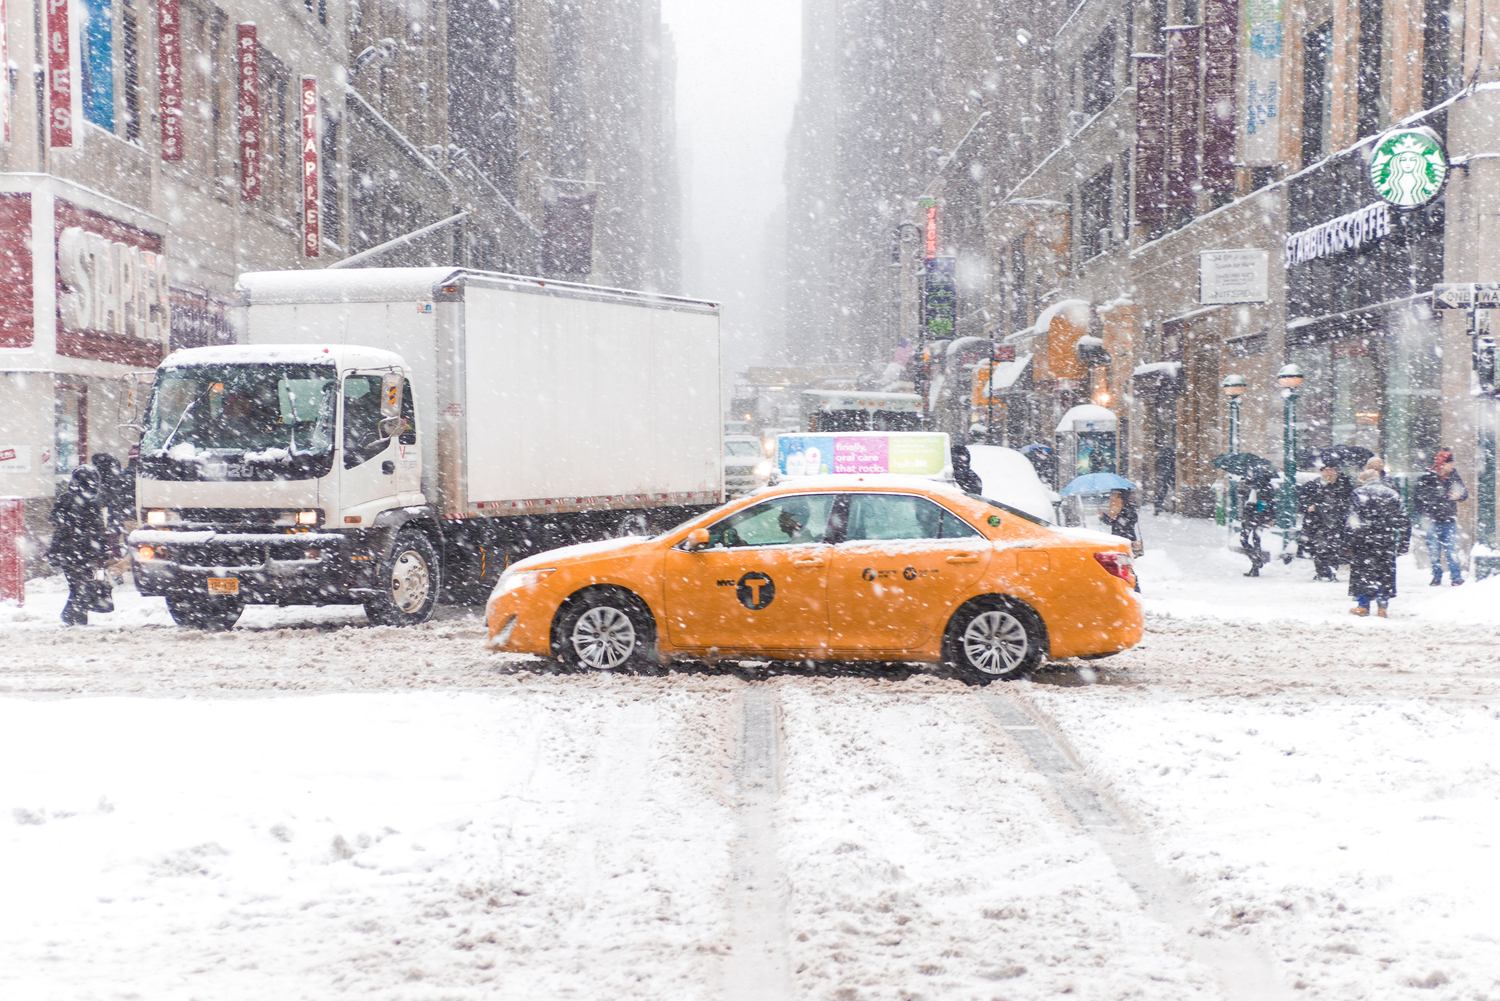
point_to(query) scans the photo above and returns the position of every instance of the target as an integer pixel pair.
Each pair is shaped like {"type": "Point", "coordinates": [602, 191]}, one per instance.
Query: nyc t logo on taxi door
{"type": "Point", "coordinates": [755, 590]}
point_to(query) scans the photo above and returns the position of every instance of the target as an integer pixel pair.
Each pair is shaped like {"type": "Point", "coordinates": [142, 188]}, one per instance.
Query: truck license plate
{"type": "Point", "coordinates": [223, 585]}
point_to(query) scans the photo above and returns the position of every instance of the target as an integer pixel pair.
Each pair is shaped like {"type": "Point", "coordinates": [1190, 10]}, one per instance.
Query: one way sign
{"type": "Point", "coordinates": [1467, 295]}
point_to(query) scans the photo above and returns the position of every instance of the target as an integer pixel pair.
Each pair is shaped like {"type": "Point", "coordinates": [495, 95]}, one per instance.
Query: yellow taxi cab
{"type": "Point", "coordinates": [849, 563]}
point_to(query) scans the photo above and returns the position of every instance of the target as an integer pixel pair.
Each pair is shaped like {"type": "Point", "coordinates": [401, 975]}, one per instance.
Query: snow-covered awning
{"type": "Point", "coordinates": [1007, 373]}
{"type": "Point", "coordinates": [1098, 418]}
{"type": "Point", "coordinates": [1158, 377]}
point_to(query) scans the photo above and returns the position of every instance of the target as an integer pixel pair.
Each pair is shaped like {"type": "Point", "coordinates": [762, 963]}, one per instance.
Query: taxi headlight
{"type": "Point", "coordinates": [513, 580]}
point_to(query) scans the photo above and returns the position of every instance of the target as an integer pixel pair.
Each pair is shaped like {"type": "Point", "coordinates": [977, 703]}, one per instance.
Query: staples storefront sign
{"type": "Point", "coordinates": [112, 302]}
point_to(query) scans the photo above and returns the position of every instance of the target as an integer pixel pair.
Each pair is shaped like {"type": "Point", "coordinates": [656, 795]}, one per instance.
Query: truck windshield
{"type": "Point", "coordinates": [259, 421]}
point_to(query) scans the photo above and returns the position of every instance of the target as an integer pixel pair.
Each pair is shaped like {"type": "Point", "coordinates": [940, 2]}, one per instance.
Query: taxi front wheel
{"type": "Point", "coordinates": [995, 638]}
{"type": "Point", "coordinates": [602, 630]}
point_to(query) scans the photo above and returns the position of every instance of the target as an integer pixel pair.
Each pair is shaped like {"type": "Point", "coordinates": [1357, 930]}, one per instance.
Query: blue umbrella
{"type": "Point", "coordinates": [1097, 483]}
{"type": "Point", "coordinates": [1036, 446]}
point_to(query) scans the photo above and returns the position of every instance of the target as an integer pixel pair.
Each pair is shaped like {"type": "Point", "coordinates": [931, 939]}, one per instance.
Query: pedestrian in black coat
{"type": "Point", "coordinates": [80, 542]}
{"type": "Point", "coordinates": [963, 470]}
{"type": "Point", "coordinates": [1325, 517]}
{"type": "Point", "coordinates": [1258, 512]}
{"type": "Point", "coordinates": [1379, 531]}
{"type": "Point", "coordinates": [116, 489]}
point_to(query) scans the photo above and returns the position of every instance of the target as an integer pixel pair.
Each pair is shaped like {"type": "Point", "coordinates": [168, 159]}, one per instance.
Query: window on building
{"type": "Point", "coordinates": [1096, 214]}
{"type": "Point", "coordinates": [1315, 104]}
{"type": "Point", "coordinates": [1371, 109]}
{"type": "Point", "coordinates": [1018, 286]}
{"type": "Point", "coordinates": [280, 184]}
{"type": "Point", "coordinates": [1437, 57]}
{"type": "Point", "coordinates": [109, 66]}
{"type": "Point", "coordinates": [203, 88]}
{"type": "Point", "coordinates": [130, 57]}
{"type": "Point", "coordinates": [333, 216]}
{"type": "Point", "coordinates": [319, 7]}
{"type": "Point", "coordinates": [97, 63]}
{"type": "Point", "coordinates": [1097, 75]}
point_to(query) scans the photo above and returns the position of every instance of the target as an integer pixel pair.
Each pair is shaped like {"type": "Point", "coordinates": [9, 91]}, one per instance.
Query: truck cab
{"type": "Point", "coordinates": [284, 475]}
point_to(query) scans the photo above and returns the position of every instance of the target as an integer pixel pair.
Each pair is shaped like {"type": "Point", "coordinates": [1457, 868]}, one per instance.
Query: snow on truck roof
{"type": "Point", "coordinates": [283, 354]}
{"type": "Point", "coordinates": [417, 285]}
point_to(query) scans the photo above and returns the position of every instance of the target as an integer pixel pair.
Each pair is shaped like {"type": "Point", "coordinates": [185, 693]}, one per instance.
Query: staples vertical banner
{"type": "Point", "coordinates": [169, 78]}
{"type": "Point", "coordinates": [59, 75]}
{"type": "Point", "coordinates": [247, 79]}
{"type": "Point", "coordinates": [310, 188]}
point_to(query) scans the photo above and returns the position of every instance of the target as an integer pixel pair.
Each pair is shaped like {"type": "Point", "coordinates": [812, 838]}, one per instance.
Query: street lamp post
{"type": "Point", "coordinates": [1234, 387]}
{"type": "Point", "coordinates": [1290, 379]}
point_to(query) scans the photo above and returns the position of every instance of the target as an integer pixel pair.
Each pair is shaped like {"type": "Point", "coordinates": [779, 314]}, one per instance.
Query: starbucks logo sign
{"type": "Point", "coordinates": [1407, 167]}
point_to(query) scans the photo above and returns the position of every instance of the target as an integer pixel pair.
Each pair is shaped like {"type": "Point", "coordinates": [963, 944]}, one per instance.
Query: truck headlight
{"type": "Point", "coordinates": [513, 580]}
{"type": "Point", "coordinates": [157, 516]}
{"type": "Point", "coordinates": [307, 517]}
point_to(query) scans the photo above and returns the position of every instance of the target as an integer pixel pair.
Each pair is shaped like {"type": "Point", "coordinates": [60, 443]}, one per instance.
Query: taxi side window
{"type": "Point", "coordinates": [880, 517]}
{"type": "Point", "coordinates": [778, 522]}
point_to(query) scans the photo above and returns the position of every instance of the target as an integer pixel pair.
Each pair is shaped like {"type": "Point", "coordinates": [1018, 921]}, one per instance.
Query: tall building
{"type": "Point", "coordinates": [162, 149]}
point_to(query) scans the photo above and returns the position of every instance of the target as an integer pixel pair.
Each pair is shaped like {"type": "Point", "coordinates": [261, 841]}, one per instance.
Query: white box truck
{"type": "Point", "coordinates": [387, 437]}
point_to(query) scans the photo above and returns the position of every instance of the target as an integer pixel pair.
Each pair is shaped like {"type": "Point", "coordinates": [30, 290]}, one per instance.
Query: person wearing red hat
{"type": "Point", "coordinates": [1436, 498]}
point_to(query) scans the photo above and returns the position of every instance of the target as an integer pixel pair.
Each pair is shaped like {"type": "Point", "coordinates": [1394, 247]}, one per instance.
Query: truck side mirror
{"type": "Point", "coordinates": [390, 395]}
{"type": "Point", "coordinates": [697, 539]}
{"type": "Point", "coordinates": [390, 427]}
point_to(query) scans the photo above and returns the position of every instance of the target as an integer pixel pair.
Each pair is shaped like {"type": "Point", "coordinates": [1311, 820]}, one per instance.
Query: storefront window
{"type": "Point", "coordinates": [1414, 421]}
{"type": "Point", "coordinates": [70, 423]}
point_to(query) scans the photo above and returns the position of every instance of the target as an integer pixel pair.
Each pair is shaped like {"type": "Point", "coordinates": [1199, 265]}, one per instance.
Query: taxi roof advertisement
{"type": "Point", "coordinates": [910, 454]}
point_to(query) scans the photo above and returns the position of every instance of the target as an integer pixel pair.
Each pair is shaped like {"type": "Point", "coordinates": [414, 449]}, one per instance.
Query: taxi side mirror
{"type": "Point", "coordinates": [697, 539]}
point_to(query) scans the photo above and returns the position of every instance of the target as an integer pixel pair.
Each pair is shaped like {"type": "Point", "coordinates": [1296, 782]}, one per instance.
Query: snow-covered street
{"type": "Point", "coordinates": [1267, 798]}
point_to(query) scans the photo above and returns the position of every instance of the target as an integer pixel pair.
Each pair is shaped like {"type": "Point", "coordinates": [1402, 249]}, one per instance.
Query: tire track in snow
{"type": "Point", "coordinates": [755, 968]}
{"type": "Point", "coordinates": [1244, 972]}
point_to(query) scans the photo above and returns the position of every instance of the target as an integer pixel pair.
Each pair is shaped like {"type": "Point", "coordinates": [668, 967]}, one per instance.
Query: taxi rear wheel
{"type": "Point", "coordinates": [603, 630]}
{"type": "Point", "coordinates": [995, 639]}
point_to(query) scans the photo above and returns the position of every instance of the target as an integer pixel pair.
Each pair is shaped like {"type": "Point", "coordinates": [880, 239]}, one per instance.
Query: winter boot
{"type": "Point", "coordinates": [1357, 610]}
{"type": "Point", "coordinates": [1380, 611]}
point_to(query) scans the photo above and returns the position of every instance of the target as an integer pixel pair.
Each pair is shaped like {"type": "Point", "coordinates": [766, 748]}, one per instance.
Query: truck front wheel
{"type": "Point", "coordinates": [410, 576]}
{"type": "Point", "coordinates": [198, 611]}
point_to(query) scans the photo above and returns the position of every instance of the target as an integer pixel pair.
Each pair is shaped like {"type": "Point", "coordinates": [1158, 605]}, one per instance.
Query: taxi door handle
{"type": "Point", "coordinates": [963, 559]}
{"type": "Point", "coordinates": [810, 562]}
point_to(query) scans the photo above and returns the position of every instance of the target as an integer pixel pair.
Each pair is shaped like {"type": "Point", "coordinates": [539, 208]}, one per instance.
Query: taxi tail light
{"type": "Point", "coordinates": [1118, 564]}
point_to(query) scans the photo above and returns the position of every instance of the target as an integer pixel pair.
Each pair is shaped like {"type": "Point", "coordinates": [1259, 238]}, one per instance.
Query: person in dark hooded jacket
{"type": "Point", "coordinates": [80, 542]}
{"type": "Point", "coordinates": [1325, 516]}
{"type": "Point", "coordinates": [1379, 531]}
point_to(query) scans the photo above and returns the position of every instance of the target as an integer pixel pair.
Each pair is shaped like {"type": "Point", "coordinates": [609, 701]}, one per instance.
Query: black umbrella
{"type": "Point", "coordinates": [1242, 463]}
{"type": "Point", "coordinates": [1345, 455]}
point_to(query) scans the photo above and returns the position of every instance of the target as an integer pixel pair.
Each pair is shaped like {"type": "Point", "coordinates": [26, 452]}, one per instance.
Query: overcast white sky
{"type": "Point", "coordinates": [737, 70]}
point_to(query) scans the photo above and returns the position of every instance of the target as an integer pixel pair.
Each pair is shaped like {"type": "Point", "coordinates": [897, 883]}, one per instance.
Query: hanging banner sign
{"type": "Point", "coordinates": [247, 72]}
{"type": "Point", "coordinates": [1260, 96]}
{"type": "Point", "coordinates": [60, 83]}
{"type": "Point", "coordinates": [931, 245]}
{"type": "Point", "coordinates": [311, 240]}
{"type": "Point", "coordinates": [169, 78]}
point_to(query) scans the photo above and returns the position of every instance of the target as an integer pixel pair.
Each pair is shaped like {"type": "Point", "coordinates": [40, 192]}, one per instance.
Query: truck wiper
{"type": "Point", "coordinates": [183, 416]}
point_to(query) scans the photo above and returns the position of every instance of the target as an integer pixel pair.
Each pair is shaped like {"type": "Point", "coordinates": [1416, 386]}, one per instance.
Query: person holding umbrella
{"type": "Point", "coordinates": [81, 542]}
{"type": "Point", "coordinates": [1257, 513]}
{"type": "Point", "coordinates": [1325, 516]}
